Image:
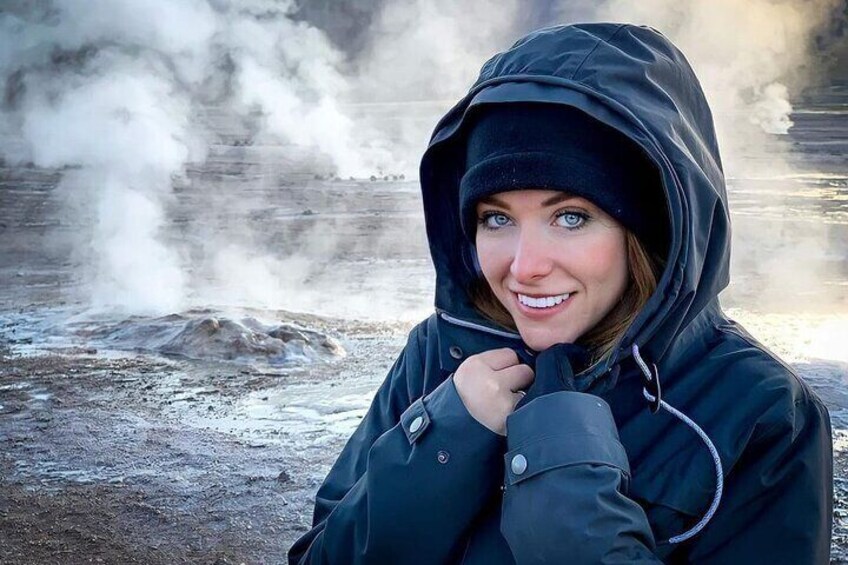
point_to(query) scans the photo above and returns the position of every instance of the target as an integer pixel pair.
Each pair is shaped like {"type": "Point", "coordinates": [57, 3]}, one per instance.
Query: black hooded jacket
{"type": "Point", "coordinates": [731, 464]}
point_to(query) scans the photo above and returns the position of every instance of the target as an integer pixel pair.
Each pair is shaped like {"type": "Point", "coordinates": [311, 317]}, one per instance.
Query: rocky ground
{"type": "Point", "coordinates": [135, 458]}
{"type": "Point", "coordinates": [144, 460]}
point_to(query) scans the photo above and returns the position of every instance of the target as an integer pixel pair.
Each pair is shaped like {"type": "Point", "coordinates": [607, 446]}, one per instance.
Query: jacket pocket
{"type": "Point", "coordinates": [675, 494]}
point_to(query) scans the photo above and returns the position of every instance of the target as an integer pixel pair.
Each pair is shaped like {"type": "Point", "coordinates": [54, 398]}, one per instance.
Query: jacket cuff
{"type": "Point", "coordinates": [454, 447]}
{"type": "Point", "coordinates": [561, 429]}
{"type": "Point", "coordinates": [445, 401]}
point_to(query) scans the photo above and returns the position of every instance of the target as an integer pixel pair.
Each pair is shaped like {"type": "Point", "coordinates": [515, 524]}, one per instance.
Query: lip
{"type": "Point", "coordinates": [538, 295]}
{"type": "Point", "coordinates": [541, 313]}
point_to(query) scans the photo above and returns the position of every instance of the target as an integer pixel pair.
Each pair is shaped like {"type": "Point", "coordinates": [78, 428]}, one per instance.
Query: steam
{"type": "Point", "coordinates": [751, 59]}
{"type": "Point", "coordinates": [292, 73]}
{"type": "Point", "coordinates": [121, 95]}
{"type": "Point", "coordinates": [114, 119]}
{"type": "Point", "coordinates": [772, 108]}
{"type": "Point", "coordinates": [433, 49]}
{"type": "Point", "coordinates": [112, 89]}
{"type": "Point", "coordinates": [748, 56]}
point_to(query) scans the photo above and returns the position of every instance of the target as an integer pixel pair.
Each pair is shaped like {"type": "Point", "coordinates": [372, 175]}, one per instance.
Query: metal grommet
{"type": "Point", "coordinates": [416, 424]}
{"type": "Point", "coordinates": [443, 457]}
{"type": "Point", "coordinates": [455, 352]}
{"type": "Point", "coordinates": [519, 464]}
{"type": "Point", "coordinates": [652, 388]}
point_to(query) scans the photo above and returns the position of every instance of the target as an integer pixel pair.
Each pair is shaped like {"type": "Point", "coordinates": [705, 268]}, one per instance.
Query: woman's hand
{"type": "Point", "coordinates": [487, 382]}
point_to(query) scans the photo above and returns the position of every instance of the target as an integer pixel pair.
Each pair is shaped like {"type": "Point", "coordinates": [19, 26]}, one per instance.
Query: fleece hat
{"type": "Point", "coordinates": [545, 146]}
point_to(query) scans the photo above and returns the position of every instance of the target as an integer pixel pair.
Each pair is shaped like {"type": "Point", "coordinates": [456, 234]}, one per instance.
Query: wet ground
{"type": "Point", "coordinates": [140, 459]}
{"type": "Point", "coordinates": [201, 436]}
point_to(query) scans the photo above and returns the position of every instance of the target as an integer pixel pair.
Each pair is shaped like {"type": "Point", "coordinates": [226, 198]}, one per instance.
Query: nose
{"type": "Point", "coordinates": [531, 259]}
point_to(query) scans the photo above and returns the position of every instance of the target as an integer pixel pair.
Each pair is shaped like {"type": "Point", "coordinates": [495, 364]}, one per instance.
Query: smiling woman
{"type": "Point", "coordinates": [596, 248]}
{"type": "Point", "coordinates": [542, 244]}
{"type": "Point", "coordinates": [540, 262]}
{"type": "Point", "coordinates": [556, 281]}
{"type": "Point", "coordinates": [579, 227]}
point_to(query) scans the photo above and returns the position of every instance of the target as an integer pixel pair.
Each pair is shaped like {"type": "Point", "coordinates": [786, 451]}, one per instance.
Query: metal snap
{"type": "Point", "coordinates": [416, 424]}
{"type": "Point", "coordinates": [455, 352]}
{"type": "Point", "coordinates": [442, 457]}
{"type": "Point", "coordinates": [519, 464]}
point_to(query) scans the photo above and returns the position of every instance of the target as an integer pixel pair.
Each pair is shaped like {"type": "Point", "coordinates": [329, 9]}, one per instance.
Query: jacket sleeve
{"type": "Point", "coordinates": [778, 498]}
{"type": "Point", "coordinates": [409, 481]}
{"type": "Point", "coordinates": [567, 477]}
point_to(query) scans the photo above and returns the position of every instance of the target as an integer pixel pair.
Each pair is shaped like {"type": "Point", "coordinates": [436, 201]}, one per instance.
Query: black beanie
{"type": "Point", "coordinates": [515, 146]}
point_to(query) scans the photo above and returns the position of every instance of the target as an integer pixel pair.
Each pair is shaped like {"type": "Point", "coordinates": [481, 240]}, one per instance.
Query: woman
{"type": "Point", "coordinates": [579, 395]}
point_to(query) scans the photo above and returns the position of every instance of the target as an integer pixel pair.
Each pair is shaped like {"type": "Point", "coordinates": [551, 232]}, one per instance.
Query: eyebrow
{"type": "Point", "coordinates": [549, 202]}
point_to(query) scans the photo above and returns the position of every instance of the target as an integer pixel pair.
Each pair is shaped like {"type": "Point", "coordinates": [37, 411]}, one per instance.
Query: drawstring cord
{"type": "Point", "coordinates": [653, 381]}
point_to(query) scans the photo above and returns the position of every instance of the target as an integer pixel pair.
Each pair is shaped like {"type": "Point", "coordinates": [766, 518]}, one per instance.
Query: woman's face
{"type": "Point", "coordinates": [557, 262]}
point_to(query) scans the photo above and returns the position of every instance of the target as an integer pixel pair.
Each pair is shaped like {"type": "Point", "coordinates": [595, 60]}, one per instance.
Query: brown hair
{"type": "Point", "coordinates": [645, 269]}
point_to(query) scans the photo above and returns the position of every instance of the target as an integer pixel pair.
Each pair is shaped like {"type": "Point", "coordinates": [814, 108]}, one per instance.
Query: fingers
{"type": "Point", "coordinates": [487, 383]}
{"type": "Point", "coordinates": [499, 359]}
{"type": "Point", "coordinates": [516, 377]}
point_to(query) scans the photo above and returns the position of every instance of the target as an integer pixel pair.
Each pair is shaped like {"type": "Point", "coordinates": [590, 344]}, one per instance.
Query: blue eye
{"type": "Point", "coordinates": [493, 220]}
{"type": "Point", "coordinates": [571, 220]}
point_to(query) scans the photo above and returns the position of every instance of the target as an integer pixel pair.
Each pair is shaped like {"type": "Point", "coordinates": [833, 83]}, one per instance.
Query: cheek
{"type": "Point", "coordinates": [494, 257]}
{"type": "Point", "coordinates": [609, 263]}
{"type": "Point", "coordinates": [601, 261]}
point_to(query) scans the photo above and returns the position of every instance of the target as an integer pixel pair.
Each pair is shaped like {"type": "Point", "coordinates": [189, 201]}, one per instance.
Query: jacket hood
{"type": "Point", "coordinates": [634, 79]}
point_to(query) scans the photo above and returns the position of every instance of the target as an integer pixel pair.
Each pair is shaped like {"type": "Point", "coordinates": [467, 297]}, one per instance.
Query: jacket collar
{"type": "Point", "coordinates": [461, 338]}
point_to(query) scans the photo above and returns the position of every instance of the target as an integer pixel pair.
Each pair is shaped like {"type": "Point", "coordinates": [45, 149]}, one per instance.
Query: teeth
{"type": "Point", "coordinates": [544, 302]}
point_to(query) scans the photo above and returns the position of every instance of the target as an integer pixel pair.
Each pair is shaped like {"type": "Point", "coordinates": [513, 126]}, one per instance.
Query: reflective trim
{"type": "Point", "coordinates": [465, 324]}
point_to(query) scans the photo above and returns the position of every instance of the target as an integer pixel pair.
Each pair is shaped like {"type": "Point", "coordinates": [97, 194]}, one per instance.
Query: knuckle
{"type": "Point", "coordinates": [493, 387]}
{"type": "Point", "coordinates": [469, 364]}
{"type": "Point", "coordinates": [501, 352]}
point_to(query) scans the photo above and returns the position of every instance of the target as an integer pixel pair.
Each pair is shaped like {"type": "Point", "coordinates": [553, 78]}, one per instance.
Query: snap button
{"type": "Point", "coordinates": [519, 464]}
{"type": "Point", "coordinates": [442, 457]}
{"type": "Point", "coordinates": [416, 424]}
{"type": "Point", "coordinates": [455, 352]}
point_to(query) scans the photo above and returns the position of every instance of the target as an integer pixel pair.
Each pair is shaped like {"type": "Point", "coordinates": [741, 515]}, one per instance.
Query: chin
{"type": "Point", "coordinates": [540, 340]}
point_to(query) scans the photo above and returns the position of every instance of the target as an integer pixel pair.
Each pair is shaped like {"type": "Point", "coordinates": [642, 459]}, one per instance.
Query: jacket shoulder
{"type": "Point", "coordinates": [411, 369]}
{"type": "Point", "coordinates": [782, 399]}
{"type": "Point", "coordinates": [418, 341]}
{"type": "Point", "coordinates": [774, 437]}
